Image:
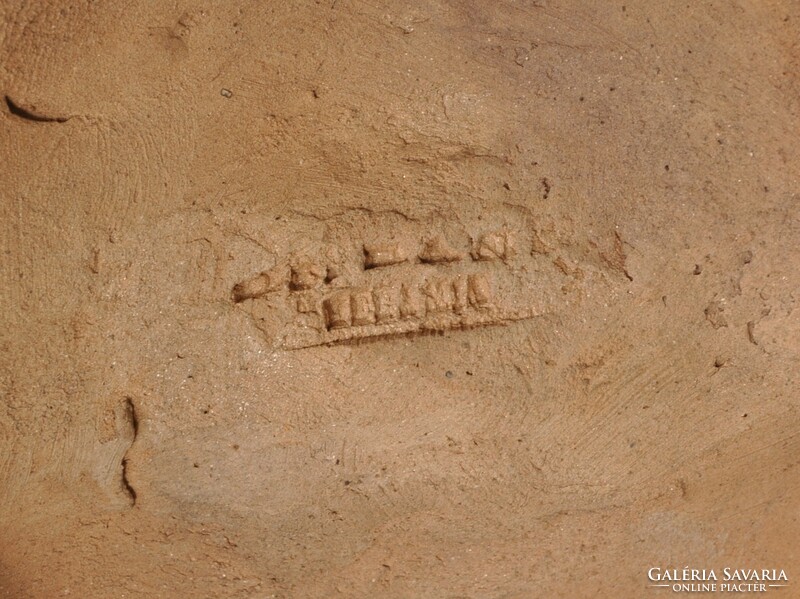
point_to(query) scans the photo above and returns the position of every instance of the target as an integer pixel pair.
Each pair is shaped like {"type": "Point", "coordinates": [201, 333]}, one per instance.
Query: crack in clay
{"type": "Point", "coordinates": [133, 424]}
{"type": "Point", "coordinates": [31, 115]}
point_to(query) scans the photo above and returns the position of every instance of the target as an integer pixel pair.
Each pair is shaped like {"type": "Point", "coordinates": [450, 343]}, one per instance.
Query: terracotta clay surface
{"type": "Point", "coordinates": [440, 298]}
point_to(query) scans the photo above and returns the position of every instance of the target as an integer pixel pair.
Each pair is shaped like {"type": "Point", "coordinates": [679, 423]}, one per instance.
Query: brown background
{"type": "Point", "coordinates": [152, 441]}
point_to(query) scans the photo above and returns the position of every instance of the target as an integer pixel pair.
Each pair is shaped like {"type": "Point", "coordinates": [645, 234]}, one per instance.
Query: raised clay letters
{"type": "Point", "coordinates": [351, 290]}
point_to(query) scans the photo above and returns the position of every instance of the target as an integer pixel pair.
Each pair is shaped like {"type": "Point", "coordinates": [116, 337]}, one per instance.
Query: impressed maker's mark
{"type": "Point", "coordinates": [338, 292]}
